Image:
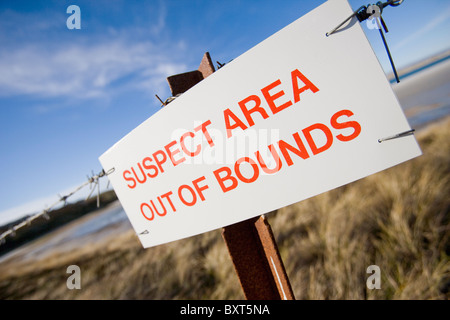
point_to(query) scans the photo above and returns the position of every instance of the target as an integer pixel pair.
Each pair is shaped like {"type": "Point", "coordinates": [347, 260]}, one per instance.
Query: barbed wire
{"type": "Point", "coordinates": [92, 181]}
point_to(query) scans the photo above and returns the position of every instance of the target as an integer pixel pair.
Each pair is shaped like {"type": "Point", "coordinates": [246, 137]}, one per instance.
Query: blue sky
{"type": "Point", "coordinates": [66, 96]}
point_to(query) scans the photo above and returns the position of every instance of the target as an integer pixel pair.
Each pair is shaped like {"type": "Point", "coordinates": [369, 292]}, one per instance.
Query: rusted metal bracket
{"type": "Point", "coordinates": [250, 243]}
{"type": "Point", "coordinates": [182, 82]}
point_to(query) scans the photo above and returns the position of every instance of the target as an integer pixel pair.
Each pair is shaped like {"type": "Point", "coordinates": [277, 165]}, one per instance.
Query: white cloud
{"type": "Point", "coordinates": [82, 71]}
{"type": "Point", "coordinates": [157, 28]}
{"type": "Point", "coordinates": [40, 59]}
{"type": "Point", "coordinates": [424, 29]}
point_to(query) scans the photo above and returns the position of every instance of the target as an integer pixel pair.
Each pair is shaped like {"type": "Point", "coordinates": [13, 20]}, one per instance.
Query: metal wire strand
{"type": "Point", "coordinates": [94, 179]}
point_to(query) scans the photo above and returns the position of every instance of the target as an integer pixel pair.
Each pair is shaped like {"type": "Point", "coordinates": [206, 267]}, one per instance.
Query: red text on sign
{"type": "Point", "coordinates": [173, 154]}
{"type": "Point", "coordinates": [252, 107]}
{"type": "Point", "coordinates": [228, 178]}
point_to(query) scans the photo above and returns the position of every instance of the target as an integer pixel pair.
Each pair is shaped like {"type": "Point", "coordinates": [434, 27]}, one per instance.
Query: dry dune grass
{"type": "Point", "coordinates": [397, 219]}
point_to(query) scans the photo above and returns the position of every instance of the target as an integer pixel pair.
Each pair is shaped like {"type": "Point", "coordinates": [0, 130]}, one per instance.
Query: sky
{"type": "Point", "coordinates": [67, 95]}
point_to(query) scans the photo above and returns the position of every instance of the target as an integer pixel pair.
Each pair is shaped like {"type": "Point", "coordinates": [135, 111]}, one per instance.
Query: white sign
{"type": "Point", "coordinates": [297, 115]}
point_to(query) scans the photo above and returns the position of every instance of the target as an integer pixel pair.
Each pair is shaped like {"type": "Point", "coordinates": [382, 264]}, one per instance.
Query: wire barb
{"type": "Point", "coordinates": [92, 181]}
{"type": "Point", "coordinates": [357, 13]}
{"type": "Point", "coordinates": [168, 100]}
{"type": "Point", "coordinates": [374, 12]}
{"type": "Point", "coordinates": [363, 13]}
{"type": "Point", "coordinates": [220, 65]}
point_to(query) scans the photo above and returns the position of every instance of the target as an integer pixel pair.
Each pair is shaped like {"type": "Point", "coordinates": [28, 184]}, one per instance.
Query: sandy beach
{"type": "Point", "coordinates": [425, 96]}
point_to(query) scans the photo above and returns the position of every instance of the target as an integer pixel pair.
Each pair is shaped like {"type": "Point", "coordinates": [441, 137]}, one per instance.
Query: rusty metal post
{"type": "Point", "coordinates": [250, 243]}
{"type": "Point", "coordinates": [257, 260]}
